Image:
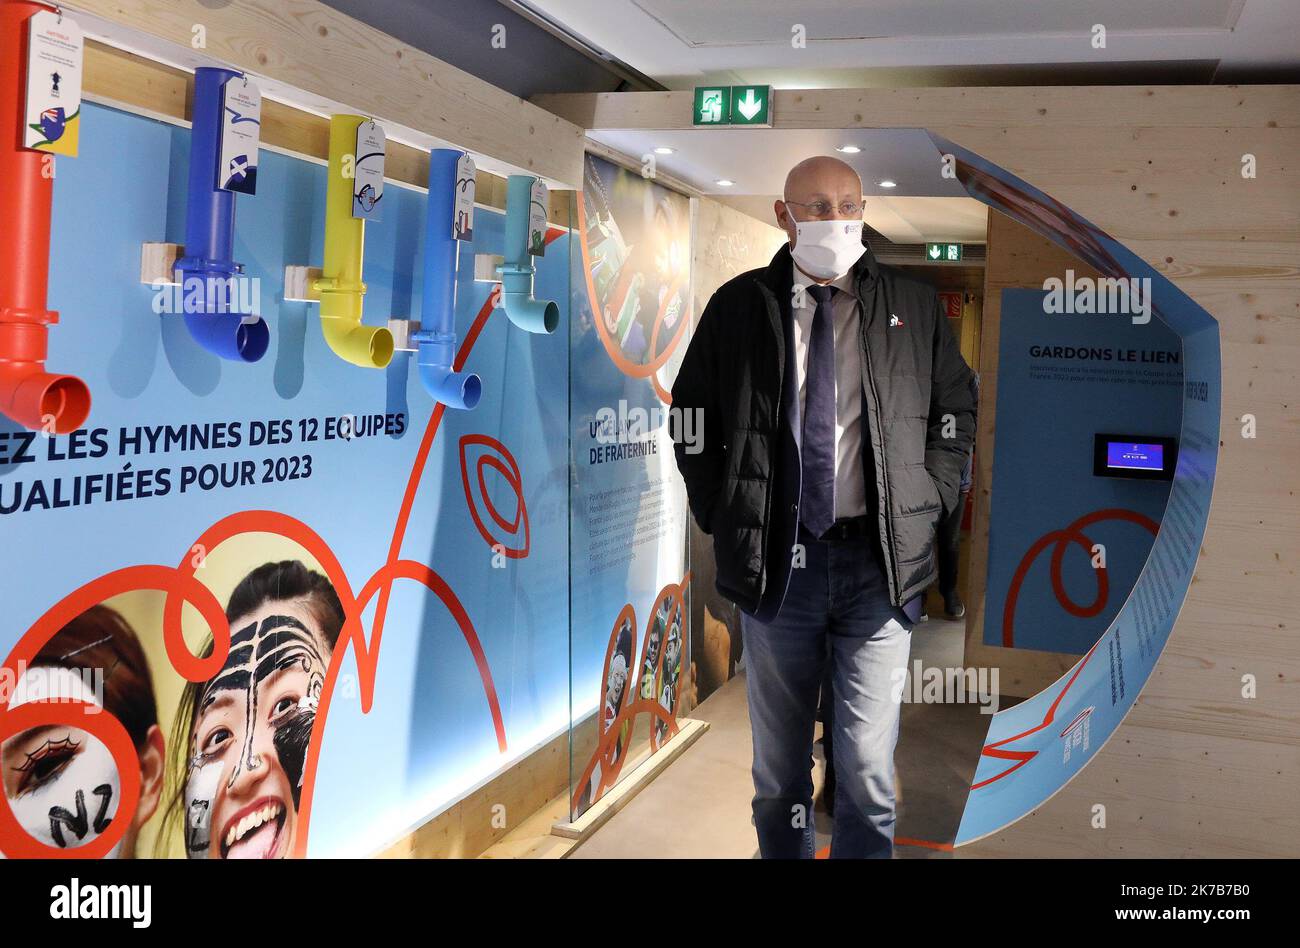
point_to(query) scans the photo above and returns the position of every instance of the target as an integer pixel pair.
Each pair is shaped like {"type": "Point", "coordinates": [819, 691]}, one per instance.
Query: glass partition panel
{"type": "Point", "coordinates": [629, 648]}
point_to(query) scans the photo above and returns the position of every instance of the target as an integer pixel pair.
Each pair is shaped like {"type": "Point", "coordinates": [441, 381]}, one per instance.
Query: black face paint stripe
{"type": "Point", "coordinates": [276, 642]}
{"type": "Point", "coordinates": [241, 644]}
{"type": "Point", "coordinates": [231, 681]}
{"type": "Point", "coordinates": [237, 658]}
{"type": "Point", "coordinates": [244, 635]}
{"type": "Point", "coordinates": [283, 649]}
{"type": "Point", "coordinates": [291, 739]}
{"type": "Point", "coordinates": [279, 641]}
{"type": "Point", "coordinates": [252, 641]}
{"type": "Point", "coordinates": [271, 623]}
{"type": "Point", "coordinates": [283, 659]}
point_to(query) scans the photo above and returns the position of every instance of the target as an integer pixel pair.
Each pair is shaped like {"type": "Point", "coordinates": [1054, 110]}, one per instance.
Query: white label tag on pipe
{"type": "Point", "coordinates": [52, 117]}
{"type": "Point", "coordinates": [241, 131]}
{"type": "Point", "coordinates": [368, 172]}
{"type": "Point", "coordinates": [537, 219]}
{"type": "Point", "coordinates": [462, 225]}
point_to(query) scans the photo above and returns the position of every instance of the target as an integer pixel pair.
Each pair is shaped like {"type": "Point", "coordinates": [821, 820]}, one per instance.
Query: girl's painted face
{"type": "Point", "coordinates": [61, 782]}
{"type": "Point", "coordinates": [248, 743]}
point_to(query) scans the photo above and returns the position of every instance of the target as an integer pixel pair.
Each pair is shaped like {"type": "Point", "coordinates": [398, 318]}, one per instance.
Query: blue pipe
{"type": "Point", "coordinates": [436, 340]}
{"type": "Point", "coordinates": [530, 315]}
{"type": "Point", "coordinates": [210, 236]}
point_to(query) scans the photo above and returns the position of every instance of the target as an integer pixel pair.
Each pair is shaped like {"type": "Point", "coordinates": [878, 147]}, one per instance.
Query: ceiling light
{"type": "Point", "coordinates": [724, 182]}
{"type": "Point", "coordinates": [848, 149]}
{"type": "Point", "coordinates": [664, 150]}
{"type": "Point", "coordinates": [888, 183]}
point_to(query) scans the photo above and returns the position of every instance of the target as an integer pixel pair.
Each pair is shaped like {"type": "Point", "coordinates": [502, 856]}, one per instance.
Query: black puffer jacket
{"type": "Point", "coordinates": [743, 484]}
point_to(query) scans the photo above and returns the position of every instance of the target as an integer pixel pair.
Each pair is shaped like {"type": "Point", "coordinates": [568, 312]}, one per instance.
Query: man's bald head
{"type": "Point", "coordinates": [823, 176]}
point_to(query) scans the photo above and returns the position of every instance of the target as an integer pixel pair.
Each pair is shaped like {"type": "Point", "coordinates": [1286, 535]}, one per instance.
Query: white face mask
{"type": "Point", "coordinates": [826, 250]}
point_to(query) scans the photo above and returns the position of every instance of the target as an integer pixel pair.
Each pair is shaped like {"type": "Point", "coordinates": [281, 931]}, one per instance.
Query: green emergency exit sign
{"type": "Point", "coordinates": [937, 253]}
{"type": "Point", "coordinates": [712, 105]}
{"type": "Point", "coordinates": [733, 105]}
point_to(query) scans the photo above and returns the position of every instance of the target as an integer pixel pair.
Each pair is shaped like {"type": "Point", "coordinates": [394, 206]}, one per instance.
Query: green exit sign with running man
{"type": "Point", "coordinates": [943, 252]}
{"type": "Point", "coordinates": [712, 105]}
{"type": "Point", "coordinates": [733, 105]}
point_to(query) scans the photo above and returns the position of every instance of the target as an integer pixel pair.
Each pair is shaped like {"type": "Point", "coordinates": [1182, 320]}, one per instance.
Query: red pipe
{"type": "Point", "coordinates": [28, 394]}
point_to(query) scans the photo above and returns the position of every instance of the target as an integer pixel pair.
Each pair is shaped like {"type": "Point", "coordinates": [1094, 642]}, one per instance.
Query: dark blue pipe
{"type": "Point", "coordinates": [208, 269]}
{"type": "Point", "coordinates": [436, 340]}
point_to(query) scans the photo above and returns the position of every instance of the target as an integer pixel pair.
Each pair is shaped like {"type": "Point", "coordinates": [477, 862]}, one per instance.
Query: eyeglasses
{"type": "Point", "coordinates": [822, 208]}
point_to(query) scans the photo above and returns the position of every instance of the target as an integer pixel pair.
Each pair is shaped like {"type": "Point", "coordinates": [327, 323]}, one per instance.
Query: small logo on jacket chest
{"type": "Point", "coordinates": [894, 321]}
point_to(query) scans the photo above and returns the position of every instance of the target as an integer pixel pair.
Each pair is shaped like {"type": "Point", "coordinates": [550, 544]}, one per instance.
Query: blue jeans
{"type": "Point", "coordinates": [836, 611]}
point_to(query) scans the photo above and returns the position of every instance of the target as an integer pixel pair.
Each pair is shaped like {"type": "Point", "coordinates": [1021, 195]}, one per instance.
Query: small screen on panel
{"type": "Point", "coordinates": [1147, 457]}
{"type": "Point", "coordinates": [1139, 457]}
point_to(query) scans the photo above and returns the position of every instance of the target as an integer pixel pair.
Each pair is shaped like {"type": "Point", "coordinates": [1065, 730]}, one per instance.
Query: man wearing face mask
{"type": "Point", "coordinates": [836, 414]}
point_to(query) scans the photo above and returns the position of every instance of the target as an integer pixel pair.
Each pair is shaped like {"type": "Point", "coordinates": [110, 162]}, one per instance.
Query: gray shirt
{"type": "Point", "coordinates": [850, 485]}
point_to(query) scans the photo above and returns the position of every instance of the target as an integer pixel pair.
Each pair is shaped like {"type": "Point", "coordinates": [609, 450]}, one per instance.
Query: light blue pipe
{"type": "Point", "coordinates": [208, 265]}
{"type": "Point", "coordinates": [436, 340]}
{"type": "Point", "coordinates": [530, 315]}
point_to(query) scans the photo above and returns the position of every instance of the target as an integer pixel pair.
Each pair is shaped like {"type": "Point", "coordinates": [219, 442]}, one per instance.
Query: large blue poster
{"type": "Point", "coordinates": [1065, 545]}
{"type": "Point", "coordinates": [312, 609]}
{"type": "Point", "coordinates": [630, 648]}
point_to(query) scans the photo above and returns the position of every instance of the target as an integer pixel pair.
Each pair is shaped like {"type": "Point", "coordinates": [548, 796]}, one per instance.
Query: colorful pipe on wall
{"type": "Point", "coordinates": [208, 264]}
{"type": "Point", "coordinates": [437, 337]}
{"type": "Point", "coordinates": [28, 394]}
{"type": "Point", "coordinates": [529, 314]}
{"type": "Point", "coordinates": [340, 287]}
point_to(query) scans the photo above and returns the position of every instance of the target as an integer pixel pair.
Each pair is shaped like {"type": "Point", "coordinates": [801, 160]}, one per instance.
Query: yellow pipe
{"type": "Point", "coordinates": [340, 286]}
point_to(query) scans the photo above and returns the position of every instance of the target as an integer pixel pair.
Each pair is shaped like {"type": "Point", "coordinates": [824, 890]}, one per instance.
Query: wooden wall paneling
{"type": "Point", "coordinates": [727, 243]}
{"type": "Point", "coordinates": [635, 164]}
{"type": "Point", "coordinates": [305, 52]}
{"type": "Point", "coordinates": [144, 86]}
{"type": "Point", "coordinates": [995, 109]}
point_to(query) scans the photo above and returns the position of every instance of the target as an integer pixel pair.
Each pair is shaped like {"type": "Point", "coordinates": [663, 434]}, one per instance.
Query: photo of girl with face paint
{"type": "Point", "coordinates": [62, 782]}
{"type": "Point", "coordinates": [240, 740]}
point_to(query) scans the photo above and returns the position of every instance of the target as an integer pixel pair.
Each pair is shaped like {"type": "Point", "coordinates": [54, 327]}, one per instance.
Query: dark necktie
{"type": "Point", "coordinates": [817, 497]}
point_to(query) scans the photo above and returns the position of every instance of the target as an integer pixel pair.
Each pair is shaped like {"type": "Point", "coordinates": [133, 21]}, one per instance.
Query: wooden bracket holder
{"type": "Point", "coordinates": [402, 330]}
{"type": "Point", "coordinates": [300, 284]}
{"type": "Point", "coordinates": [158, 263]}
{"type": "Point", "coordinates": [486, 267]}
